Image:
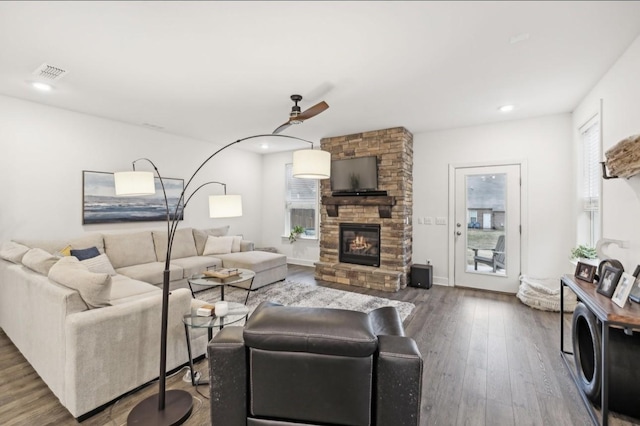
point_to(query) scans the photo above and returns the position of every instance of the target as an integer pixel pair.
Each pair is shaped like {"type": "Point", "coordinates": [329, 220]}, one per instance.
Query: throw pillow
{"type": "Point", "coordinates": [84, 254]}
{"type": "Point", "coordinates": [94, 289]}
{"type": "Point", "coordinates": [200, 236]}
{"type": "Point", "coordinates": [235, 246]}
{"type": "Point", "coordinates": [100, 265]}
{"type": "Point", "coordinates": [65, 251]}
{"type": "Point", "coordinates": [13, 252]}
{"type": "Point", "coordinates": [39, 260]}
{"type": "Point", "coordinates": [218, 245]}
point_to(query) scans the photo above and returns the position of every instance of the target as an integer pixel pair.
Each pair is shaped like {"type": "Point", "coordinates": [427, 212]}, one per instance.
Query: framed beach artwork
{"type": "Point", "coordinates": [101, 205]}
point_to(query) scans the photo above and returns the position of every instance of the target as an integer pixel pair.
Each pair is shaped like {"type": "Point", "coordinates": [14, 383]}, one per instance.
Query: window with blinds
{"type": "Point", "coordinates": [301, 203]}
{"type": "Point", "coordinates": [591, 172]}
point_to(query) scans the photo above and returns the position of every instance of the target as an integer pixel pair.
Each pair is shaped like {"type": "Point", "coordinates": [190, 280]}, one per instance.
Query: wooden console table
{"type": "Point", "coordinates": [384, 203]}
{"type": "Point", "coordinates": [610, 315]}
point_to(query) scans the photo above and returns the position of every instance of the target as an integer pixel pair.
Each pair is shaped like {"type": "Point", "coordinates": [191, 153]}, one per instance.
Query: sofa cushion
{"type": "Point", "coordinates": [218, 245]}
{"type": "Point", "coordinates": [83, 254]}
{"type": "Point", "coordinates": [124, 288]}
{"type": "Point", "coordinates": [152, 273]}
{"type": "Point", "coordinates": [50, 246]}
{"type": "Point", "coordinates": [13, 252]}
{"type": "Point", "coordinates": [196, 264]}
{"type": "Point", "coordinates": [57, 246]}
{"type": "Point", "coordinates": [95, 289]}
{"type": "Point", "coordinates": [129, 249]}
{"type": "Point", "coordinates": [200, 236]}
{"type": "Point", "coordinates": [183, 244]}
{"type": "Point", "coordinates": [257, 261]}
{"type": "Point", "coordinates": [99, 264]}
{"type": "Point", "coordinates": [39, 260]}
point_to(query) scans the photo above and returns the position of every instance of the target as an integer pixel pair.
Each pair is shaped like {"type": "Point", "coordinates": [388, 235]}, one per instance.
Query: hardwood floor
{"type": "Point", "coordinates": [488, 360]}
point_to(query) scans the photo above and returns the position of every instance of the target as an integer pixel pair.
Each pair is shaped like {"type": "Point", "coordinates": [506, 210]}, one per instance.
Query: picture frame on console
{"type": "Point", "coordinates": [609, 281]}
{"type": "Point", "coordinates": [585, 272]}
{"type": "Point", "coordinates": [634, 294]}
{"type": "Point", "coordinates": [623, 289]}
{"type": "Point", "coordinates": [101, 205]}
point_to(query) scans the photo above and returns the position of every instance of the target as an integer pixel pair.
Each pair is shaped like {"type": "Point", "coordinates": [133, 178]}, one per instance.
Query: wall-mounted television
{"type": "Point", "coordinates": [354, 175]}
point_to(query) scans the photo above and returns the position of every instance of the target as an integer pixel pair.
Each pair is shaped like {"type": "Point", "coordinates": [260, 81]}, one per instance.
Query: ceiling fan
{"type": "Point", "coordinates": [297, 117]}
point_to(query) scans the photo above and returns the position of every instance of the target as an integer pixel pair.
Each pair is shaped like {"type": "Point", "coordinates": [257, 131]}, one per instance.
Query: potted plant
{"type": "Point", "coordinates": [583, 252]}
{"type": "Point", "coordinates": [295, 233]}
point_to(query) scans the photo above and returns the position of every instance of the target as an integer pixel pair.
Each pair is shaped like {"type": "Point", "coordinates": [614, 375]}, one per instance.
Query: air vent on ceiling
{"type": "Point", "coordinates": [49, 72]}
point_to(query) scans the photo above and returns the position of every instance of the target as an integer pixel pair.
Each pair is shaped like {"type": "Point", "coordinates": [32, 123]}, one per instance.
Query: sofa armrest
{"type": "Point", "coordinates": [246, 245]}
{"type": "Point", "coordinates": [399, 382]}
{"type": "Point", "coordinates": [228, 378]}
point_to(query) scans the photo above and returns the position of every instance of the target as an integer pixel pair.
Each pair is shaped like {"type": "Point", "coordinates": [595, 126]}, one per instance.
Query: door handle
{"type": "Point", "coordinates": [458, 233]}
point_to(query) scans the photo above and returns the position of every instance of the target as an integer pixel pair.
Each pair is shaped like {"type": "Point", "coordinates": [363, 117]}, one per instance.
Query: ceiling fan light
{"type": "Point", "coordinates": [311, 164]}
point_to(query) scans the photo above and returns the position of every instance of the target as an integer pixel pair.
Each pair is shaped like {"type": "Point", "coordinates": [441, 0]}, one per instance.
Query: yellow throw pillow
{"type": "Point", "coordinates": [65, 251]}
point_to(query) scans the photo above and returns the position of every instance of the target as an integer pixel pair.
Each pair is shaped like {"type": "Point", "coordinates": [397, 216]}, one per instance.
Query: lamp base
{"type": "Point", "coordinates": [177, 409]}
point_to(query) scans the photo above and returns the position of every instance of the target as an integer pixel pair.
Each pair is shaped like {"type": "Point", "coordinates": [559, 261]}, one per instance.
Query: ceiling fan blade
{"type": "Point", "coordinates": [281, 128]}
{"type": "Point", "coordinates": [313, 111]}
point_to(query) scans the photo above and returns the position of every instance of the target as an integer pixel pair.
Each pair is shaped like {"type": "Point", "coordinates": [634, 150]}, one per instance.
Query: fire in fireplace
{"type": "Point", "coordinates": [360, 244]}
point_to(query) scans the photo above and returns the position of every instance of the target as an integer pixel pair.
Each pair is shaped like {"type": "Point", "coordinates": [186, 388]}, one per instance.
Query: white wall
{"type": "Point", "coordinates": [620, 93]}
{"type": "Point", "coordinates": [44, 151]}
{"type": "Point", "coordinates": [544, 143]}
{"type": "Point", "coordinates": [303, 251]}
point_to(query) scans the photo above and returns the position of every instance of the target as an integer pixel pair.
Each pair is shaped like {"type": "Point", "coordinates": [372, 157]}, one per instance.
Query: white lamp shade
{"type": "Point", "coordinates": [134, 183]}
{"type": "Point", "coordinates": [225, 206]}
{"type": "Point", "coordinates": [311, 164]}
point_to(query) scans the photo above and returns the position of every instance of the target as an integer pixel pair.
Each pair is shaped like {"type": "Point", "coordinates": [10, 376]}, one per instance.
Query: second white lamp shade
{"type": "Point", "coordinates": [225, 206]}
{"type": "Point", "coordinates": [134, 183]}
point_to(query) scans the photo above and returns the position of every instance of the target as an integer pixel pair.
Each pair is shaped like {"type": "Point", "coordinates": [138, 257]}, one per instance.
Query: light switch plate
{"type": "Point", "coordinates": [428, 220]}
{"type": "Point", "coordinates": [441, 220]}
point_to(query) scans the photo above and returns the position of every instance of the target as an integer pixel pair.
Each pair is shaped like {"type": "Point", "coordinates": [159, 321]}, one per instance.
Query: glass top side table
{"type": "Point", "coordinates": [237, 312]}
{"type": "Point", "coordinates": [205, 281]}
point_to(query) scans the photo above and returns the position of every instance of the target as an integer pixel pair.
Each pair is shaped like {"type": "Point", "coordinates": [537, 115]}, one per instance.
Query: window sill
{"type": "Point", "coordinates": [302, 237]}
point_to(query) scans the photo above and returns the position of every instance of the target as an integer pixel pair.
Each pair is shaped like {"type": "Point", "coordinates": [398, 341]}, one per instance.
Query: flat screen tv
{"type": "Point", "coordinates": [354, 174]}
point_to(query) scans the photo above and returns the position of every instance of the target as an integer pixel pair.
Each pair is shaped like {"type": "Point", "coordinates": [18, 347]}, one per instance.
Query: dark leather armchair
{"type": "Point", "coordinates": [315, 366]}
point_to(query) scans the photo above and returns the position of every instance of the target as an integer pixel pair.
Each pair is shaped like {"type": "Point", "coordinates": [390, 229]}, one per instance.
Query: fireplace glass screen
{"type": "Point", "coordinates": [360, 244]}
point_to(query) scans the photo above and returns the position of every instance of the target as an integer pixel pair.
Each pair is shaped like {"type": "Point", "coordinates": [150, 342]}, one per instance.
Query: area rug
{"type": "Point", "coordinates": [291, 293]}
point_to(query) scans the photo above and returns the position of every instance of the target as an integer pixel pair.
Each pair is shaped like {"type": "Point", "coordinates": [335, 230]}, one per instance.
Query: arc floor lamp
{"type": "Point", "coordinates": [174, 407]}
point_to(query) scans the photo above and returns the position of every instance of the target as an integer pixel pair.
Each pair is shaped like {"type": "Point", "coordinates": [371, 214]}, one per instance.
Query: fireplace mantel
{"type": "Point", "coordinates": [384, 203]}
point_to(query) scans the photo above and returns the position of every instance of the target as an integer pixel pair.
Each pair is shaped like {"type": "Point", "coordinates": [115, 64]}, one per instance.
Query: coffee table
{"type": "Point", "coordinates": [237, 312]}
{"type": "Point", "coordinates": [203, 280]}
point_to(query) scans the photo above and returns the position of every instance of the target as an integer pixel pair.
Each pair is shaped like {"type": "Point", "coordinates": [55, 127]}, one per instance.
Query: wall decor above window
{"type": "Point", "coordinates": [101, 205]}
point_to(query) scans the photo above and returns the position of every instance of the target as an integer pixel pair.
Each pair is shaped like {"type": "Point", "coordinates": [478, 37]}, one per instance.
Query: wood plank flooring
{"type": "Point", "coordinates": [488, 360]}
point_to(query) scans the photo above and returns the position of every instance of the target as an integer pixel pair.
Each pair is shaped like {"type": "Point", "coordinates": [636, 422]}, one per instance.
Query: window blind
{"type": "Point", "coordinates": [591, 169]}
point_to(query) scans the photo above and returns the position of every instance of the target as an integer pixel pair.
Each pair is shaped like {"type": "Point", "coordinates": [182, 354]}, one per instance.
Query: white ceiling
{"type": "Point", "coordinates": [219, 71]}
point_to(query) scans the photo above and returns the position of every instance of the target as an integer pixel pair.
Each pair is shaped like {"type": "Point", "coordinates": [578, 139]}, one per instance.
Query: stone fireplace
{"type": "Point", "coordinates": [390, 212]}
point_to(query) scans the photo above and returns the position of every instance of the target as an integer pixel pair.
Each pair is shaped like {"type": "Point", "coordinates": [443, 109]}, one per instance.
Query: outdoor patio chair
{"type": "Point", "coordinates": [497, 259]}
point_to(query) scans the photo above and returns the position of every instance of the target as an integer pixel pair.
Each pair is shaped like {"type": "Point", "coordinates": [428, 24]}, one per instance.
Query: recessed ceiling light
{"type": "Point", "coordinates": [506, 108]}
{"type": "Point", "coordinates": [41, 86]}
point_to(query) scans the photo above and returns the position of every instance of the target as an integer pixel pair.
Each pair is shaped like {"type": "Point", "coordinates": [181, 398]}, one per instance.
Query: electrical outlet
{"type": "Point", "coordinates": [441, 220]}
{"type": "Point", "coordinates": [428, 220]}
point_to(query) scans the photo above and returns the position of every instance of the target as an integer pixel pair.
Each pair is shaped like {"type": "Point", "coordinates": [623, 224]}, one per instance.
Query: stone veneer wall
{"type": "Point", "coordinates": [394, 150]}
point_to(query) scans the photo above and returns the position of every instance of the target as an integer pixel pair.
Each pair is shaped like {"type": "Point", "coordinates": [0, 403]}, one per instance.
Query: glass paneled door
{"type": "Point", "coordinates": [487, 227]}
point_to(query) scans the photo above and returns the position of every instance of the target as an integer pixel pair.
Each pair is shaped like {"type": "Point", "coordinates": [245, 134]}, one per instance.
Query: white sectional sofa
{"type": "Point", "coordinates": [92, 333]}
